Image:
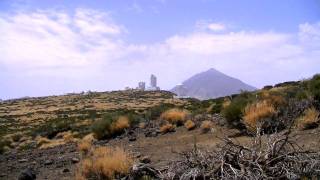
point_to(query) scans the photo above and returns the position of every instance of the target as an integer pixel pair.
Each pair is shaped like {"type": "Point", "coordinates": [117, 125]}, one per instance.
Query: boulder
{"type": "Point", "coordinates": [48, 162]}
{"type": "Point", "coordinates": [23, 160]}
{"type": "Point", "coordinates": [75, 160]}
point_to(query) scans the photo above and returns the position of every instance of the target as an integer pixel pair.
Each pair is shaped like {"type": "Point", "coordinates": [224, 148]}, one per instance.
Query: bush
{"type": "Point", "coordinates": [206, 126]}
{"type": "Point", "coordinates": [175, 116]}
{"type": "Point", "coordinates": [167, 128]}
{"type": "Point", "coordinates": [110, 125]}
{"type": "Point", "coordinates": [105, 163]}
{"type": "Point", "coordinates": [234, 111]}
{"type": "Point", "coordinates": [53, 127]}
{"type": "Point", "coordinates": [101, 128]}
{"type": "Point", "coordinates": [4, 144]}
{"type": "Point", "coordinates": [256, 113]}
{"type": "Point", "coordinates": [309, 120]}
{"type": "Point", "coordinates": [155, 112]}
{"type": "Point", "coordinates": [190, 125]}
{"type": "Point", "coordinates": [84, 146]}
{"type": "Point", "coordinates": [120, 124]}
{"type": "Point", "coordinates": [275, 98]}
{"type": "Point", "coordinates": [42, 140]}
{"type": "Point", "coordinates": [314, 87]}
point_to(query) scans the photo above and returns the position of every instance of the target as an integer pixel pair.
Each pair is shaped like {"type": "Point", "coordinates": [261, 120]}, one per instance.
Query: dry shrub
{"type": "Point", "coordinates": [41, 141]}
{"type": "Point", "coordinates": [175, 116]}
{"type": "Point", "coordinates": [263, 157]}
{"type": "Point", "coordinates": [309, 120]}
{"type": "Point", "coordinates": [45, 143]}
{"type": "Point", "coordinates": [68, 137]}
{"type": "Point", "coordinates": [105, 163]}
{"type": "Point", "coordinates": [167, 128]}
{"type": "Point", "coordinates": [190, 125]}
{"type": "Point", "coordinates": [206, 126]}
{"type": "Point", "coordinates": [84, 146]}
{"type": "Point", "coordinates": [89, 137]}
{"type": "Point", "coordinates": [53, 143]}
{"type": "Point", "coordinates": [85, 169]}
{"type": "Point", "coordinates": [120, 124]}
{"type": "Point", "coordinates": [109, 126]}
{"type": "Point", "coordinates": [272, 97]}
{"type": "Point", "coordinates": [256, 113]}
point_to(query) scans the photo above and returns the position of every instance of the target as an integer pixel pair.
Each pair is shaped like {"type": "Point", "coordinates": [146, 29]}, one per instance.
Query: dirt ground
{"type": "Point", "coordinates": [61, 162]}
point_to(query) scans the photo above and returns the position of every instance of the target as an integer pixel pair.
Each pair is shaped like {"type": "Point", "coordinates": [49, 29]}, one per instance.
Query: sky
{"type": "Point", "coordinates": [52, 47]}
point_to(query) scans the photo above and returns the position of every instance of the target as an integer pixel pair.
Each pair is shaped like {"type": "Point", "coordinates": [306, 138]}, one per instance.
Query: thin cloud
{"type": "Point", "coordinates": [211, 26]}
{"type": "Point", "coordinates": [87, 50]}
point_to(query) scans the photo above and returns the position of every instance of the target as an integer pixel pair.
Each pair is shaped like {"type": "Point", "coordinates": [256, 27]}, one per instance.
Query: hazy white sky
{"type": "Point", "coordinates": [47, 49]}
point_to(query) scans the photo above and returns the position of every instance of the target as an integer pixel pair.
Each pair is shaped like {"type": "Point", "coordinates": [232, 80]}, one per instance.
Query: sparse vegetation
{"type": "Point", "coordinates": [48, 116]}
{"type": "Point", "coordinates": [105, 163]}
{"type": "Point", "coordinates": [60, 139]}
{"type": "Point", "coordinates": [53, 127]}
{"type": "Point", "coordinates": [139, 116]}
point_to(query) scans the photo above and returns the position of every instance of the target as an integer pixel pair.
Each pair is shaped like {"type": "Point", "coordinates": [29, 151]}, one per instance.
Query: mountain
{"type": "Point", "coordinates": [210, 84]}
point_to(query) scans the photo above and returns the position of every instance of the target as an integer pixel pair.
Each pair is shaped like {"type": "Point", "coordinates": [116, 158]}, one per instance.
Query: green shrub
{"type": "Point", "coordinates": [101, 128]}
{"type": "Point", "coordinates": [135, 118]}
{"type": "Point", "coordinates": [301, 95]}
{"type": "Point", "coordinates": [314, 87]}
{"type": "Point", "coordinates": [3, 144]}
{"type": "Point", "coordinates": [53, 127]}
{"type": "Point", "coordinates": [234, 112]}
{"type": "Point", "coordinates": [113, 124]}
{"type": "Point", "coordinates": [211, 106]}
{"type": "Point", "coordinates": [216, 106]}
{"type": "Point", "coordinates": [298, 92]}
